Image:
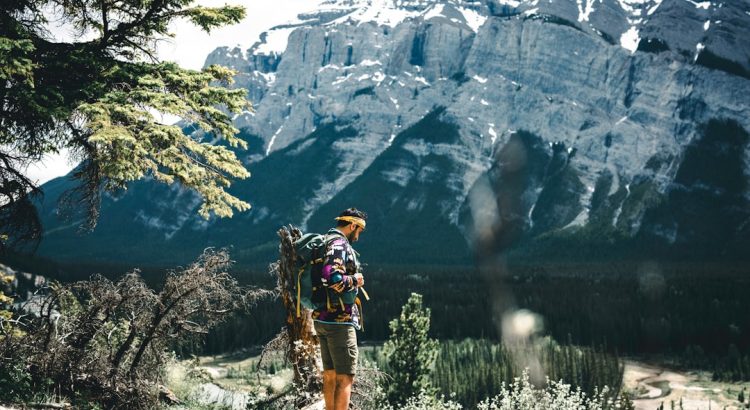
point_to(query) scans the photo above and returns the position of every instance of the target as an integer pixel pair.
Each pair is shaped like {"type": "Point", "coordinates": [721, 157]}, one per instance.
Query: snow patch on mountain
{"type": "Point", "coordinates": [698, 48]}
{"type": "Point", "coordinates": [701, 5]}
{"type": "Point", "coordinates": [268, 77]}
{"type": "Point", "coordinates": [585, 7]}
{"type": "Point", "coordinates": [273, 139]}
{"type": "Point", "coordinates": [380, 12]}
{"type": "Point", "coordinates": [434, 11]}
{"type": "Point", "coordinates": [329, 67]}
{"type": "Point", "coordinates": [473, 19]}
{"type": "Point", "coordinates": [274, 41]}
{"type": "Point", "coordinates": [630, 39]}
{"type": "Point", "coordinates": [368, 63]}
{"type": "Point", "coordinates": [637, 12]}
{"type": "Point", "coordinates": [635, 8]}
{"type": "Point", "coordinates": [492, 133]}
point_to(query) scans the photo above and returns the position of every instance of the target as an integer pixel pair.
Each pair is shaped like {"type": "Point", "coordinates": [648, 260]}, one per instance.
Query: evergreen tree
{"type": "Point", "coordinates": [410, 353]}
{"type": "Point", "coordinates": [97, 95]}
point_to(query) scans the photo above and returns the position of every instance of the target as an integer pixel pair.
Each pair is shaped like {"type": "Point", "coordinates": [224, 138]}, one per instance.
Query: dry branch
{"type": "Point", "coordinates": [112, 339]}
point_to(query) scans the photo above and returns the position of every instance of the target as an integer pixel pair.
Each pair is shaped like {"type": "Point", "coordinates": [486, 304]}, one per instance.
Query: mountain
{"type": "Point", "coordinates": [555, 129]}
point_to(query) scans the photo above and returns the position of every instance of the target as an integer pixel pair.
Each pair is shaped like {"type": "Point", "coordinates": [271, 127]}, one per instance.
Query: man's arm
{"type": "Point", "coordinates": [334, 270]}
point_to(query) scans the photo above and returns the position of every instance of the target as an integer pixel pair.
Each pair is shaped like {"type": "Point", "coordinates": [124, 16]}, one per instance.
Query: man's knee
{"type": "Point", "coordinates": [329, 375]}
{"type": "Point", "coordinates": [343, 380]}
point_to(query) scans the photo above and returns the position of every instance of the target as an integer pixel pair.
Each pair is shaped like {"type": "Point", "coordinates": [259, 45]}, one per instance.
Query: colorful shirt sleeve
{"type": "Point", "coordinates": [334, 269]}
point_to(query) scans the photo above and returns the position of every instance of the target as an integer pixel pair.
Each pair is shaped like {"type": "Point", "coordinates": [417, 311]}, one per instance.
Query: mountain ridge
{"type": "Point", "coordinates": [341, 104]}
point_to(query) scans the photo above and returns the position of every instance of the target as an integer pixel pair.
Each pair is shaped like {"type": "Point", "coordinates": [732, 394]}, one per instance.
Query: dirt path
{"type": "Point", "coordinates": [653, 386]}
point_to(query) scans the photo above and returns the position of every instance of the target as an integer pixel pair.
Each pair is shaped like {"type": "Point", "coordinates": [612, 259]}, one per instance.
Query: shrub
{"type": "Point", "coordinates": [521, 395]}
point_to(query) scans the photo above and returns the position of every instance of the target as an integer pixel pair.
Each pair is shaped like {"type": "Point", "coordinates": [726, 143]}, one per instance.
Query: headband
{"type": "Point", "coordinates": [353, 219]}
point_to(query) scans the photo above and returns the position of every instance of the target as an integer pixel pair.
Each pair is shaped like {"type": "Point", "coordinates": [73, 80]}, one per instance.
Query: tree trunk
{"type": "Point", "coordinates": [124, 347]}
{"type": "Point", "coordinates": [302, 342]}
{"type": "Point", "coordinates": [154, 326]}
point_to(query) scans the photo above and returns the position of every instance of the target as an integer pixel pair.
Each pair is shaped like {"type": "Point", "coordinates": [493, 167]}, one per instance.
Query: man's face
{"type": "Point", "coordinates": [354, 234]}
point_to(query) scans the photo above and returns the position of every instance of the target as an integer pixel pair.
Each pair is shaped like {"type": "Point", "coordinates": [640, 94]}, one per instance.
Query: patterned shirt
{"type": "Point", "coordinates": [339, 284]}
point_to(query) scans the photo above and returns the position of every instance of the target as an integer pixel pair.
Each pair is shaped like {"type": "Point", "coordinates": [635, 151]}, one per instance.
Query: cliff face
{"type": "Point", "coordinates": [624, 121]}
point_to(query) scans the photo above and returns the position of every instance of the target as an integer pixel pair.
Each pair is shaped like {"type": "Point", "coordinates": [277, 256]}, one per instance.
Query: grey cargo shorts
{"type": "Point", "coordinates": [338, 347]}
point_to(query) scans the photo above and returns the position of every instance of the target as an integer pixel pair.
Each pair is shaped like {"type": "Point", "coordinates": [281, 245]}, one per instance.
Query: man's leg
{"type": "Point", "coordinates": [343, 391]}
{"type": "Point", "coordinates": [346, 368]}
{"type": "Point", "coordinates": [329, 374]}
{"type": "Point", "coordinates": [329, 388]}
{"type": "Point", "coordinates": [339, 353]}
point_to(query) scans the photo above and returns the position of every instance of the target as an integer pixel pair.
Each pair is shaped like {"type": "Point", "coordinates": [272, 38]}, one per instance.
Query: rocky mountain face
{"type": "Point", "coordinates": [558, 129]}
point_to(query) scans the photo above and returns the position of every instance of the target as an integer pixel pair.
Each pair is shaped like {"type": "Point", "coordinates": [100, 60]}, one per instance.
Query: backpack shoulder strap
{"type": "Point", "coordinates": [327, 238]}
{"type": "Point", "coordinates": [331, 235]}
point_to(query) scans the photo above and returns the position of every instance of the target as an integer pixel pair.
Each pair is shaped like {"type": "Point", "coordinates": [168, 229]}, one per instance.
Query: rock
{"type": "Point", "coordinates": [401, 109]}
{"type": "Point", "coordinates": [211, 394]}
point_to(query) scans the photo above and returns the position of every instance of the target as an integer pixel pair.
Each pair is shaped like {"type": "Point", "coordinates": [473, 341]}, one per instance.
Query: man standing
{"type": "Point", "coordinates": [338, 315]}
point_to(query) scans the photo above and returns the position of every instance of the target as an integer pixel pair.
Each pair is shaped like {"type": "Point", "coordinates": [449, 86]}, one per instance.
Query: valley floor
{"type": "Point", "coordinates": [227, 382]}
{"type": "Point", "coordinates": [649, 385]}
{"type": "Point", "coordinates": [652, 386]}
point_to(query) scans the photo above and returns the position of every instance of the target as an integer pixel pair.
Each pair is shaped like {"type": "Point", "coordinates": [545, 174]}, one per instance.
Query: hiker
{"type": "Point", "coordinates": [338, 314]}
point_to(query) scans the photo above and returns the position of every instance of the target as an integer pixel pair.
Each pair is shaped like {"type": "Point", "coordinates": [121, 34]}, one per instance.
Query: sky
{"type": "Point", "coordinates": [189, 49]}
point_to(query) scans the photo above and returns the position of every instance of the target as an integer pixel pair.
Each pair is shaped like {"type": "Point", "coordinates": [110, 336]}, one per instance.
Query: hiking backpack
{"type": "Point", "coordinates": [310, 249]}
{"type": "Point", "coordinates": [311, 252]}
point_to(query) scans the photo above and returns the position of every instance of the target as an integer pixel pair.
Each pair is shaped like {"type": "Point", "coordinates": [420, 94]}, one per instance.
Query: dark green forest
{"type": "Point", "coordinates": [676, 310]}
{"type": "Point", "coordinates": [677, 316]}
{"type": "Point", "coordinates": [473, 369]}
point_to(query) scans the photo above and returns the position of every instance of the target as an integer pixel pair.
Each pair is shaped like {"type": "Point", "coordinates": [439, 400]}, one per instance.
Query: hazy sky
{"type": "Point", "coordinates": [189, 49]}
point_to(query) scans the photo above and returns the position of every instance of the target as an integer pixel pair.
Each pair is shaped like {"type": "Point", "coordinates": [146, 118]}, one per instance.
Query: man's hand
{"type": "Point", "coordinates": [338, 287]}
{"type": "Point", "coordinates": [359, 280]}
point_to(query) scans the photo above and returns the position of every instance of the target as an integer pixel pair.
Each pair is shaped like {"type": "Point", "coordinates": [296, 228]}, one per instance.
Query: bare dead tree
{"type": "Point", "coordinates": [297, 339]}
{"type": "Point", "coordinates": [112, 339]}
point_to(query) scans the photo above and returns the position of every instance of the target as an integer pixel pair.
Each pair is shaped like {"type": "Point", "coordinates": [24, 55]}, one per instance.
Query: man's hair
{"type": "Point", "coordinates": [351, 212]}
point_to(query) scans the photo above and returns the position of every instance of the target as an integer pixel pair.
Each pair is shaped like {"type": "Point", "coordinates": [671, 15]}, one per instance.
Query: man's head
{"type": "Point", "coordinates": [351, 223]}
